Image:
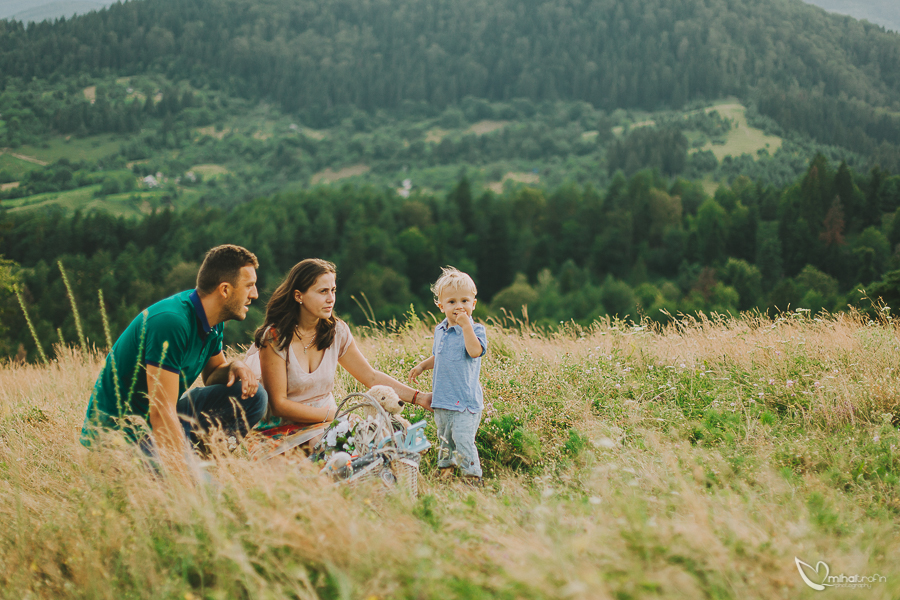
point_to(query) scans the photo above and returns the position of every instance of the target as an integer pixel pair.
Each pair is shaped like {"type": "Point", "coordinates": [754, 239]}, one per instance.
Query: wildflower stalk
{"type": "Point", "coordinates": [65, 278]}
{"type": "Point", "coordinates": [115, 374]}
{"type": "Point", "coordinates": [105, 320]}
{"type": "Point", "coordinates": [62, 341]}
{"type": "Point", "coordinates": [137, 366]}
{"type": "Point", "coordinates": [37, 341]}
{"type": "Point", "coordinates": [112, 359]}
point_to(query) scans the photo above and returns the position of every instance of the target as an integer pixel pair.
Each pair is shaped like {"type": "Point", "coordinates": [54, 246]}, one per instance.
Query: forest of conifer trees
{"type": "Point", "coordinates": [643, 246]}
{"type": "Point", "coordinates": [827, 76]}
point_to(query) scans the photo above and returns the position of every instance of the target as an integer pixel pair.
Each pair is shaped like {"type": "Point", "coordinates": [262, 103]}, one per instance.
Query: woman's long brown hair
{"type": "Point", "coordinates": [283, 312]}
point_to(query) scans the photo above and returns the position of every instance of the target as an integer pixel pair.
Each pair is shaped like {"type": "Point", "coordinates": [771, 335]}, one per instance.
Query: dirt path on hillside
{"type": "Point", "coordinates": [24, 157]}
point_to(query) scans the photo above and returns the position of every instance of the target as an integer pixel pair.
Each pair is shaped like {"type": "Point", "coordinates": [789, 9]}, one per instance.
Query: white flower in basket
{"type": "Point", "coordinates": [383, 446]}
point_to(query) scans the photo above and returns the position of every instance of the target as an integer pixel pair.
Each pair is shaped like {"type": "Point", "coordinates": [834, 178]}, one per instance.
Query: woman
{"type": "Point", "coordinates": [300, 345]}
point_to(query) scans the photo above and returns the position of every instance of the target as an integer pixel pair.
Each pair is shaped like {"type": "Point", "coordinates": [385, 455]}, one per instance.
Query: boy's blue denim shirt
{"type": "Point", "coordinates": [455, 384]}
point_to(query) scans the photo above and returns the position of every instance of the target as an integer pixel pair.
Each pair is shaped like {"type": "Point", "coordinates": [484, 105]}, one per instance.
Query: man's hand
{"type": "Point", "coordinates": [424, 400]}
{"type": "Point", "coordinates": [238, 370]}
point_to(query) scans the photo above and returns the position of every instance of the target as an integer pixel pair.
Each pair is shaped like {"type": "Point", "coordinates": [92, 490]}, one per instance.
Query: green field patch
{"type": "Point", "coordinates": [15, 167]}
{"type": "Point", "coordinates": [90, 148]}
{"type": "Point", "coordinates": [742, 138]}
{"type": "Point", "coordinates": [329, 176]}
{"type": "Point", "coordinates": [486, 126]}
{"type": "Point", "coordinates": [214, 132]}
{"type": "Point", "coordinates": [435, 135]}
{"type": "Point", "coordinates": [619, 130]}
{"type": "Point", "coordinates": [128, 204]}
{"type": "Point", "coordinates": [314, 134]}
{"type": "Point", "coordinates": [518, 177]}
{"type": "Point", "coordinates": [69, 199]}
{"type": "Point", "coordinates": [210, 171]}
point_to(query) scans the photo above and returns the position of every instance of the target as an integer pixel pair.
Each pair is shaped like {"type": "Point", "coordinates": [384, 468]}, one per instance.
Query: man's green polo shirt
{"type": "Point", "coordinates": [173, 334]}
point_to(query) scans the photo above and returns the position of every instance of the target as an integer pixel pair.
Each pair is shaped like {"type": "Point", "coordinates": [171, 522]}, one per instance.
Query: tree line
{"type": "Point", "coordinates": [644, 245]}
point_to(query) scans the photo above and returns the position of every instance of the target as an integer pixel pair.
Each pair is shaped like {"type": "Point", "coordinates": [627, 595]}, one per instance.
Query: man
{"type": "Point", "coordinates": [161, 353]}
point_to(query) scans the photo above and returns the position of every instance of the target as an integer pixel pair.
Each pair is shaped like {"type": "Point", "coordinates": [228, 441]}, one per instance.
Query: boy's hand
{"type": "Point", "coordinates": [415, 372]}
{"type": "Point", "coordinates": [462, 317]}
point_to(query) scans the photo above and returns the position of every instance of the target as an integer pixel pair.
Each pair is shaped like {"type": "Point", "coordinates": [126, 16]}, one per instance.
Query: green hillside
{"type": "Point", "coordinates": [830, 77]}
{"type": "Point", "coordinates": [601, 161]}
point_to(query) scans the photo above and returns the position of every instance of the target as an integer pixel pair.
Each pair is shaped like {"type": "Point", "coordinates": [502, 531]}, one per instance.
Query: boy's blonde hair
{"type": "Point", "coordinates": [452, 278]}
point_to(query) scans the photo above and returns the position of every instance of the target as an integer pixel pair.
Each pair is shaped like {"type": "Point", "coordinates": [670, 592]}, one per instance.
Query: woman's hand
{"type": "Point", "coordinates": [424, 400]}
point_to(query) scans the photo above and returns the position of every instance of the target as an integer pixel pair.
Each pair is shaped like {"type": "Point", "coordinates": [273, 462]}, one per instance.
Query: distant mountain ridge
{"type": "Point", "coordinates": [40, 10]}
{"type": "Point", "coordinates": [880, 12]}
{"type": "Point", "coordinates": [833, 78]}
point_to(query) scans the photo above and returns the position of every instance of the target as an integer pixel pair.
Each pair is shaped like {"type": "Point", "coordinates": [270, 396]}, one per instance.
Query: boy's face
{"type": "Point", "coordinates": [456, 301]}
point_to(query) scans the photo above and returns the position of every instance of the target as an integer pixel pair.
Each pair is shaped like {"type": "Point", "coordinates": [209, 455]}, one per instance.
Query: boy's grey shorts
{"type": "Point", "coordinates": [456, 440]}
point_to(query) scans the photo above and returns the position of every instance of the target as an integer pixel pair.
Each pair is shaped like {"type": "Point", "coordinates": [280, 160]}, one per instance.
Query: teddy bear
{"type": "Point", "coordinates": [390, 402]}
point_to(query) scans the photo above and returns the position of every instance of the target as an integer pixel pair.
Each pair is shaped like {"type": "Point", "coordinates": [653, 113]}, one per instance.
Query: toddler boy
{"type": "Point", "coordinates": [457, 399]}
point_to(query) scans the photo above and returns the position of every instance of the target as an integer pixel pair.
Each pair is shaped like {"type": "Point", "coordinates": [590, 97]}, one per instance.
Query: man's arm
{"type": "Point", "coordinates": [212, 372]}
{"type": "Point", "coordinates": [162, 386]}
{"type": "Point", "coordinates": [219, 371]}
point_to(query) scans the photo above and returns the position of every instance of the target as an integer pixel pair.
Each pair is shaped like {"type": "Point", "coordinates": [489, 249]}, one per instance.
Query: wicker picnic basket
{"type": "Point", "coordinates": [382, 463]}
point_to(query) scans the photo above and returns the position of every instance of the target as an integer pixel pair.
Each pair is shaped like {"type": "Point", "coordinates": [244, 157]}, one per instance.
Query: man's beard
{"type": "Point", "coordinates": [233, 311]}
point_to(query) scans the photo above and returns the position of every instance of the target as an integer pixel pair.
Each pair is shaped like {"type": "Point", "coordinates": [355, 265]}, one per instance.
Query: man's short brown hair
{"type": "Point", "coordinates": [223, 263]}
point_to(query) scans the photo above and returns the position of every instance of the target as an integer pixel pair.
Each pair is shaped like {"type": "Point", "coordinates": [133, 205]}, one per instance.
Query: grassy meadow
{"type": "Point", "coordinates": [743, 138]}
{"type": "Point", "coordinates": [695, 461]}
{"type": "Point", "coordinates": [244, 151]}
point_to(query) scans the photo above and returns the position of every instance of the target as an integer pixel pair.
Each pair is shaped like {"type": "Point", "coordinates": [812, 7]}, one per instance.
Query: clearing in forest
{"type": "Point", "coordinates": [486, 126]}
{"type": "Point", "coordinates": [519, 177]}
{"type": "Point", "coordinates": [741, 138]}
{"type": "Point", "coordinates": [434, 136]}
{"type": "Point", "coordinates": [213, 132]}
{"type": "Point", "coordinates": [209, 171]}
{"type": "Point", "coordinates": [619, 130]}
{"type": "Point", "coordinates": [329, 176]}
{"type": "Point", "coordinates": [314, 134]}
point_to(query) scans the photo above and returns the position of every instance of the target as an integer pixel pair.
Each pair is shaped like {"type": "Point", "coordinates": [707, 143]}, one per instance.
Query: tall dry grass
{"type": "Point", "coordinates": [625, 462]}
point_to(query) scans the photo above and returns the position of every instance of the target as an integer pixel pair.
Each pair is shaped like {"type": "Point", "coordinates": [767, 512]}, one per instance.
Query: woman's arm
{"type": "Point", "coordinates": [357, 365]}
{"type": "Point", "coordinates": [274, 374]}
